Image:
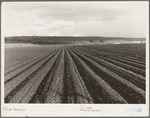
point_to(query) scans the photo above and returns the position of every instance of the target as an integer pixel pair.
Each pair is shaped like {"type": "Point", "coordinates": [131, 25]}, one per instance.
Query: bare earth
{"type": "Point", "coordinates": [75, 74]}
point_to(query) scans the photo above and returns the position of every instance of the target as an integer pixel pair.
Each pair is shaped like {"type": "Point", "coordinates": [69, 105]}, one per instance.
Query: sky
{"type": "Point", "coordinates": [108, 19]}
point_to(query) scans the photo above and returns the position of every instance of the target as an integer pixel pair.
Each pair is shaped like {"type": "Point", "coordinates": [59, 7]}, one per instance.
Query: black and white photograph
{"type": "Point", "coordinates": [77, 58]}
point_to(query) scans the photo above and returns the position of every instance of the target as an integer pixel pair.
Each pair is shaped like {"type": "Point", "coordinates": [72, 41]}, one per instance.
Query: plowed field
{"type": "Point", "coordinates": [77, 74]}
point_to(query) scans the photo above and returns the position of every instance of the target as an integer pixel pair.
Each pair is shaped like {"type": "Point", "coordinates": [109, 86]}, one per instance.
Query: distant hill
{"type": "Point", "coordinates": [63, 39]}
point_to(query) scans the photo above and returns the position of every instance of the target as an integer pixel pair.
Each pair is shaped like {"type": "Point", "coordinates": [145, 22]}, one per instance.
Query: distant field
{"type": "Point", "coordinates": [67, 40]}
{"type": "Point", "coordinates": [88, 74]}
{"type": "Point", "coordinates": [51, 43]}
{"type": "Point", "coordinates": [38, 42]}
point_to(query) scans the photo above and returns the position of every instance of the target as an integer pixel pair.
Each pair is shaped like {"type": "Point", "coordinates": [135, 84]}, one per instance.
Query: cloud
{"type": "Point", "coordinates": [128, 19]}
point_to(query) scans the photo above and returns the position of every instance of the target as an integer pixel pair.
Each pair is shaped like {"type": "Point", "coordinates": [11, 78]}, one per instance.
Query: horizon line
{"type": "Point", "coordinates": [76, 36]}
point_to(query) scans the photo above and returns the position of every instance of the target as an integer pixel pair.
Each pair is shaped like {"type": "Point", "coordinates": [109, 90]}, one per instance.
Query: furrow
{"type": "Point", "coordinates": [24, 63]}
{"type": "Point", "coordinates": [26, 92]}
{"type": "Point", "coordinates": [55, 93]}
{"type": "Point", "coordinates": [125, 66]}
{"type": "Point", "coordinates": [81, 93]}
{"type": "Point", "coordinates": [136, 58]}
{"type": "Point", "coordinates": [140, 65]}
{"type": "Point", "coordinates": [116, 50]}
{"type": "Point", "coordinates": [98, 86]}
{"type": "Point", "coordinates": [120, 64]}
{"type": "Point", "coordinates": [43, 88]}
{"type": "Point", "coordinates": [136, 79]}
{"type": "Point", "coordinates": [131, 60]}
{"type": "Point", "coordinates": [22, 69]}
{"type": "Point", "coordinates": [126, 89]}
{"type": "Point", "coordinates": [69, 91]}
{"type": "Point", "coordinates": [12, 87]}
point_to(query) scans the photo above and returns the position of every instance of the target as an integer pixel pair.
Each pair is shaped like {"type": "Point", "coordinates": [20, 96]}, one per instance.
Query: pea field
{"type": "Point", "coordinates": [76, 74]}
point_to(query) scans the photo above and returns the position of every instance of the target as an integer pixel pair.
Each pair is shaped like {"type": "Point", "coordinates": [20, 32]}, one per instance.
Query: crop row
{"type": "Point", "coordinates": [75, 74]}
